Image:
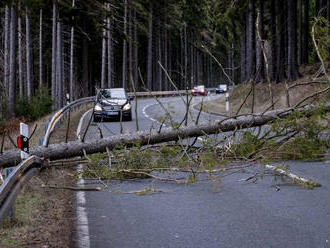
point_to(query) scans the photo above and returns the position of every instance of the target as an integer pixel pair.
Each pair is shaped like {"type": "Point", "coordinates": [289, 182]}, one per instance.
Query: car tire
{"type": "Point", "coordinates": [96, 119]}
{"type": "Point", "coordinates": [129, 118]}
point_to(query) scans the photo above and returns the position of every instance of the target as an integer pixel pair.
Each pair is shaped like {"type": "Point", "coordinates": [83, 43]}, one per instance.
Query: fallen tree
{"type": "Point", "coordinates": [77, 148]}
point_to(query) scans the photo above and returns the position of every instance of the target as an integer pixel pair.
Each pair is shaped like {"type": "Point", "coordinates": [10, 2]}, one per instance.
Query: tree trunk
{"type": "Point", "coordinates": [292, 40]}
{"type": "Point", "coordinates": [59, 75]}
{"type": "Point", "coordinates": [75, 148]}
{"type": "Point", "coordinates": [29, 86]}
{"type": "Point", "coordinates": [280, 40]}
{"type": "Point", "coordinates": [85, 73]}
{"type": "Point", "coordinates": [328, 10]}
{"type": "Point", "coordinates": [104, 47]}
{"type": "Point", "coordinates": [72, 57]}
{"type": "Point", "coordinates": [6, 52]}
{"type": "Point", "coordinates": [12, 64]}
{"type": "Point", "coordinates": [259, 53]}
{"type": "Point", "coordinates": [130, 47]}
{"type": "Point", "coordinates": [149, 59]}
{"type": "Point", "coordinates": [20, 55]}
{"type": "Point", "coordinates": [243, 53]}
{"type": "Point", "coordinates": [299, 32]}
{"type": "Point", "coordinates": [306, 33]}
{"type": "Point", "coordinates": [136, 57]}
{"type": "Point", "coordinates": [40, 52]}
{"type": "Point", "coordinates": [110, 64]}
{"type": "Point", "coordinates": [124, 77]}
{"type": "Point", "coordinates": [273, 61]}
{"type": "Point", "coordinates": [54, 40]}
{"type": "Point", "coordinates": [250, 40]}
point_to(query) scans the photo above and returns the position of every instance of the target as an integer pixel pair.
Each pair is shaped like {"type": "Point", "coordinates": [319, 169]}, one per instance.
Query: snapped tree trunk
{"type": "Point", "coordinates": [75, 148]}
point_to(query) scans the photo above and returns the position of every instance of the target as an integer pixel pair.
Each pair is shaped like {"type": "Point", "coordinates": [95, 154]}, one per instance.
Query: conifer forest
{"type": "Point", "coordinates": [54, 49]}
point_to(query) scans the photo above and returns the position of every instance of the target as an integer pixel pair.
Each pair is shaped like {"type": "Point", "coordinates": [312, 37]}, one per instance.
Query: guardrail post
{"type": "Point", "coordinates": [23, 141]}
{"type": "Point", "coordinates": [227, 102]}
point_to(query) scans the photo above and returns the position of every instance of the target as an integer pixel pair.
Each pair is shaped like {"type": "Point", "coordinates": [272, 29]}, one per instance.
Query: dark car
{"type": "Point", "coordinates": [199, 90]}
{"type": "Point", "coordinates": [111, 103]}
{"type": "Point", "coordinates": [221, 88]}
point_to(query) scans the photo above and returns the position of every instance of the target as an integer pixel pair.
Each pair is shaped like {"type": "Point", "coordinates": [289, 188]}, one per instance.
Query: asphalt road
{"type": "Point", "coordinates": [230, 213]}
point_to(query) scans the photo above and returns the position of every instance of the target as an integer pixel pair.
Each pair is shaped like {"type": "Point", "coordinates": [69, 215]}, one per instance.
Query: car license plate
{"type": "Point", "coordinates": [112, 113]}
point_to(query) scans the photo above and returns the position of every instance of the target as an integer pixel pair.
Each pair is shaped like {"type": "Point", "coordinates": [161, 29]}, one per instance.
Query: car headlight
{"type": "Point", "coordinates": [97, 108]}
{"type": "Point", "coordinates": [127, 106]}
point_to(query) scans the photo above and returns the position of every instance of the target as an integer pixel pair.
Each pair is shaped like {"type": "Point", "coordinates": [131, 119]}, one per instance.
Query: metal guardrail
{"type": "Point", "coordinates": [13, 184]}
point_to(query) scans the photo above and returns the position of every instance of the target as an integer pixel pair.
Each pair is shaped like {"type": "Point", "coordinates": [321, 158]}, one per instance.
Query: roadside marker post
{"type": "Point", "coordinates": [23, 141]}
{"type": "Point", "coordinates": [227, 102]}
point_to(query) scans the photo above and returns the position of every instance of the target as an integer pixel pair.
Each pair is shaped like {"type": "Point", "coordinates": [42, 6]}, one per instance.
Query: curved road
{"type": "Point", "coordinates": [227, 214]}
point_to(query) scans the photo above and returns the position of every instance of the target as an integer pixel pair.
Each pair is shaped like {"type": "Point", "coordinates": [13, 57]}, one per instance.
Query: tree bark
{"type": "Point", "coordinates": [104, 47]}
{"type": "Point", "coordinates": [29, 86]}
{"type": "Point", "coordinates": [75, 148]}
{"type": "Point", "coordinates": [292, 40]}
{"type": "Point", "coordinates": [12, 64]}
{"type": "Point", "coordinates": [124, 72]}
{"type": "Point", "coordinates": [243, 53]}
{"type": "Point", "coordinates": [259, 55]}
{"type": "Point", "coordinates": [306, 33]}
{"type": "Point", "coordinates": [250, 40]}
{"type": "Point", "coordinates": [280, 40]}
{"type": "Point", "coordinates": [273, 60]}
{"type": "Point", "coordinates": [6, 48]}
{"type": "Point", "coordinates": [109, 44]}
{"type": "Point", "coordinates": [54, 40]}
{"type": "Point", "coordinates": [20, 55]}
{"type": "Point", "coordinates": [71, 58]}
{"type": "Point", "coordinates": [40, 52]}
{"type": "Point", "coordinates": [149, 59]}
{"type": "Point", "coordinates": [59, 75]}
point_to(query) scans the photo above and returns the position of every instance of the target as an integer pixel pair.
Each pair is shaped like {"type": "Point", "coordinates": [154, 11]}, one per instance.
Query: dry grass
{"type": "Point", "coordinates": [43, 216]}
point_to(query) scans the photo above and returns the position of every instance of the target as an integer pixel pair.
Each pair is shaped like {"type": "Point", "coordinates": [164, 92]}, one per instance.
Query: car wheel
{"type": "Point", "coordinates": [129, 118]}
{"type": "Point", "coordinates": [96, 119]}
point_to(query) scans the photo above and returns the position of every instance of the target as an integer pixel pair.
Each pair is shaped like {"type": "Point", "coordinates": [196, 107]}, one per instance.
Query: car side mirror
{"type": "Point", "coordinates": [130, 98]}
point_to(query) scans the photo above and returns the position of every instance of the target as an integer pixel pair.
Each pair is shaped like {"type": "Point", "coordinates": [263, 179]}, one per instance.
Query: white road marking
{"type": "Point", "coordinates": [83, 240]}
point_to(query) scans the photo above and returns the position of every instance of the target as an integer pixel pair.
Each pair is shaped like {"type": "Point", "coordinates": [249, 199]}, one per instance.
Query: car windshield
{"type": "Point", "coordinates": [114, 94]}
{"type": "Point", "coordinates": [200, 87]}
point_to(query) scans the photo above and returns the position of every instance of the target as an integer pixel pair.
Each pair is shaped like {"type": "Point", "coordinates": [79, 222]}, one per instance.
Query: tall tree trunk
{"type": "Point", "coordinates": [166, 56]}
{"type": "Point", "coordinates": [20, 54]}
{"type": "Point", "coordinates": [104, 47]}
{"type": "Point", "coordinates": [259, 53]}
{"type": "Point", "coordinates": [130, 46]}
{"type": "Point", "coordinates": [54, 40]}
{"type": "Point", "coordinates": [243, 53]}
{"type": "Point", "coordinates": [306, 32]}
{"type": "Point", "coordinates": [40, 52]}
{"type": "Point", "coordinates": [29, 86]}
{"type": "Point", "coordinates": [136, 59]}
{"type": "Point", "coordinates": [109, 44]}
{"type": "Point", "coordinates": [6, 52]}
{"type": "Point", "coordinates": [317, 7]}
{"type": "Point", "coordinates": [71, 58]}
{"type": "Point", "coordinates": [299, 33]}
{"type": "Point", "coordinates": [59, 75]}
{"type": "Point", "coordinates": [124, 72]}
{"type": "Point", "coordinates": [280, 43]}
{"type": "Point", "coordinates": [292, 40]}
{"type": "Point", "coordinates": [273, 69]}
{"type": "Point", "coordinates": [149, 62]}
{"type": "Point", "coordinates": [250, 40]}
{"type": "Point", "coordinates": [85, 76]}
{"type": "Point", "coordinates": [12, 64]}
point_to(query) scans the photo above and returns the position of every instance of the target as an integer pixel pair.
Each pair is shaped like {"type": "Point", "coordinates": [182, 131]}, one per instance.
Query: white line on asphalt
{"type": "Point", "coordinates": [148, 116]}
{"type": "Point", "coordinates": [82, 220]}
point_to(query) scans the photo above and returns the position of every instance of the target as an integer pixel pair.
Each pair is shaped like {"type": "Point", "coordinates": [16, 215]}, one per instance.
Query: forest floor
{"type": "Point", "coordinates": [310, 83]}
{"type": "Point", "coordinates": [43, 216]}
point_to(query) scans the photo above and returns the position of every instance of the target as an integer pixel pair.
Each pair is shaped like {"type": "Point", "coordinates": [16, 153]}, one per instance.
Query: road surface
{"type": "Point", "coordinates": [230, 213]}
